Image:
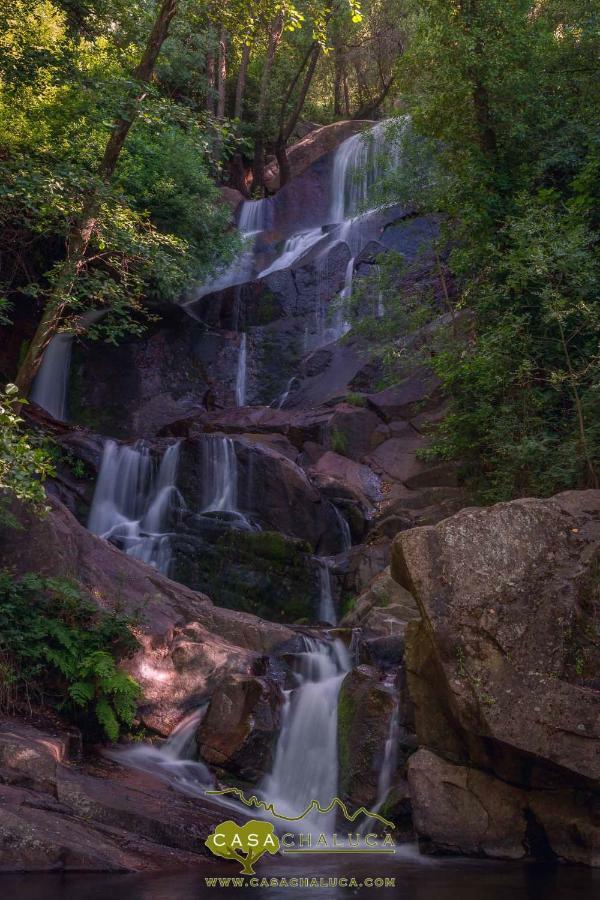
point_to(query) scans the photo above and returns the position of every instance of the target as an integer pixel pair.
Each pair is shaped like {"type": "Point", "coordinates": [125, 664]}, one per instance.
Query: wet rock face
{"type": "Point", "coordinates": [259, 572]}
{"type": "Point", "coordinates": [133, 389]}
{"type": "Point", "coordinates": [365, 706]}
{"type": "Point", "coordinates": [503, 668]}
{"type": "Point", "coordinates": [58, 815]}
{"type": "Point", "coordinates": [237, 734]}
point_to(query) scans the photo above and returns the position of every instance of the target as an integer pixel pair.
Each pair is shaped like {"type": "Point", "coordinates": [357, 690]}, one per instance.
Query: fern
{"type": "Point", "coordinates": [107, 718]}
{"type": "Point", "coordinates": [54, 642]}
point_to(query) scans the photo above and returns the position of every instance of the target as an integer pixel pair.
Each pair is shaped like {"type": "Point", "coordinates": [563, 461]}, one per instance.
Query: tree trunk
{"type": "Point", "coordinates": [275, 31]}
{"type": "Point", "coordinates": [368, 109]}
{"type": "Point", "coordinates": [83, 228]}
{"type": "Point", "coordinates": [346, 92]}
{"type": "Point", "coordinates": [222, 75]}
{"type": "Point", "coordinates": [283, 162]}
{"type": "Point", "coordinates": [338, 75]}
{"type": "Point", "coordinates": [240, 88]}
{"type": "Point", "coordinates": [210, 82]}
{"type": "Point", "coordinates": [286, 128]}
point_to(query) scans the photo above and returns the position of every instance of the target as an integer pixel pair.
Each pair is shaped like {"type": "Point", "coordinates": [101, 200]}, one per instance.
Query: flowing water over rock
{"type": "Point", "coordinates": [326, 606]}
{"type": "Point", "coordinates": [175, 761]}
{"type": "Point", "coordinates": [52, 380]}
{"type": "Point", "coordinates": [305, 766]}
{"type": "Point", "coordinates": [360, 163]}
{"type": "Point", "coordinates": [219, 475]}
{"type": "Point", "coordinates": [134, 501]}
{"type": "Point", "coordinates": [240, 380]}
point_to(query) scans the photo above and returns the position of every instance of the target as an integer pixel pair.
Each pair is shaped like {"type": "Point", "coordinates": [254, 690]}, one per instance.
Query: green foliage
{"type": "Point", "coordinates": [504, 98]}
{"type": "Point", "coordinates": [355, 399]}
{"type": "Point", "coordinates": [23, 466]}
{"type": "Point", "coordinates": [64, 77]}
{"type": "Point", "coordinates": [57, 648]}
{"type": "Point", "coordinates": [338, 441]}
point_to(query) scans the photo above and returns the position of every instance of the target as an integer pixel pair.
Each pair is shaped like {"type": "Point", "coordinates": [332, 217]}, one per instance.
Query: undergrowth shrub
{"type": "Point", "coordinates": [59, 650]}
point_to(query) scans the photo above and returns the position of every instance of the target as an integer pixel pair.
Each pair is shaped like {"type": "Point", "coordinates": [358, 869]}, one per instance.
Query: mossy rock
{"type": "Point", "coordinates": [365, 707]}
{"type": "Point", "coordinates": [260, 572]}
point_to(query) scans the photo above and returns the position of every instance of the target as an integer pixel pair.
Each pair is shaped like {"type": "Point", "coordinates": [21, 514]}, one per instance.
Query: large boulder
{"type": "Point", "coordinates": [503, 669]}
{"type": "Point", "coordinates": [383, 609]}
{"type": "Point", "coordinates": [238, 732]}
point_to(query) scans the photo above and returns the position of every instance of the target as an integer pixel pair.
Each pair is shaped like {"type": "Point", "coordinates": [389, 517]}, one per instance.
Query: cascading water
{"type": "Point", "coordinates": [52, 380]}
{"type": "Point", "coordinates": [305, 766]}
{"type": "Point", "coordinates": [388, 765]}
{"type": "Point", "coordinates": [255, 216]}
{"type": "Point", "coordinates": [240, 378]}
{"type": "Point", "coordinates": [219, 474]}
{"type": "Point", "coordinates": [174, 762]}
{"type": "Point", "coordinates": [293, 249]}
{"type": "Point", "coordinates": [359, 163]}
{"type": "Point", "coordinates": [133, 501]}
{"type": "Point", "coordinates": [344, 530]}
{"type": "Point", "coordinates": [326, 612]}
{"type": "Point", "coordinates": [51, 385]}
{"type": "Point", "coordinates": [390, 758]}
{"type": "Point", "coordinates": [283, 398]}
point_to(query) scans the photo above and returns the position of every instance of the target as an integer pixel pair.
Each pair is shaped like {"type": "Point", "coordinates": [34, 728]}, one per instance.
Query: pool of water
{"type": "Point", "coordinates": [415, 879]}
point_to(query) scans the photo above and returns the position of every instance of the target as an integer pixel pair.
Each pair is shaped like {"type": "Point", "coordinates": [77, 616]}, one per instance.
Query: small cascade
{"type": "Point", "coordinates": [340, 324]}
{"type": "Point", "coordinates": [240, 378]}
{"type": "Point", "coordinates": [345, 533]}
{"type": "Point", "coordinates": [390, 758]}
{"type": "Point", "coordinates": [359, 163]}
{"type": "Point", "coordinates": [219, 474]}
{"type": "Point", "coordinates": [255, 216]}
{"type": "Point", "coordinates": [174, 761]}
{"type": "Point", "coordinates": [293, 249]}
{"type": "Point", "coordinates": [133, 501]}
{"type": "Point", "coordinates": [388, 765]}
{"type": "Point", "coordinates": [326, 612]}
{"type": "Point", "coordinates": [283, 398]}
{"type": "Point", "coordinates": [306, 766]}
{"type": "Point", "coordinates": [51, 383]}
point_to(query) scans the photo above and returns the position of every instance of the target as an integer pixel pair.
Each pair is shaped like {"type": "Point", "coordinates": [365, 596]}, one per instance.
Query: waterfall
{"type": "Point", "coordinates": [388, 765]}
{"type": "Point", "coordinates": [359, 163]}
{"type": "Point", "coordinates": [52, 380]}
{"type": "Point", "coordinates": [283, 398]}
{"type": "Point", "coordinates": [240, 379]}
{"type": "Point", "coordinates": [344, 530]}
{"type": "Point", "coordinates": [306, 766]}
{"type": "Point", "coordinates": [293, 249]}
{"type": "Point", "coordinates": [340, 325]}
{"type": "Point", "coordinates": [390, 757]}
{"type": "Point", "coordinates": [326, 612]}
{"type": "Point", "coordinates": [174, 762]}
{"type": "Point", "coordinates": [255, 216]}
{"type": "Point", "coordinates": [219, 474]}
{"type": "Point", "coordinates": [133, 502]}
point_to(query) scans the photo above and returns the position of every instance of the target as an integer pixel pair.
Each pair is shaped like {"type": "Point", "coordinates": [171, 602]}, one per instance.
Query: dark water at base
{"type": "Point", "coordinates": [414, 880]}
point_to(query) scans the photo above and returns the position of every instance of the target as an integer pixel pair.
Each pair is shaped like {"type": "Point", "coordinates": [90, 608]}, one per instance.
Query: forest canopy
{"type": "Point", "coordinates": [113, 145]}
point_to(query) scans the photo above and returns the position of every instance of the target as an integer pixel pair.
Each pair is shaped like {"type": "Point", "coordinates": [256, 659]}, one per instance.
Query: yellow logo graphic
{"type": "Point", "coordinates": [314, 805]}
{"type": "Point", "coordinates": [244, 843]}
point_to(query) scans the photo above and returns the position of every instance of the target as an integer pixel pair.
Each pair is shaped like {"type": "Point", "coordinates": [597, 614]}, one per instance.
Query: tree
{"type": "Point", "coordinates": [23, 466]}
{"type": "Point", "coordinates": [83, 228]}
